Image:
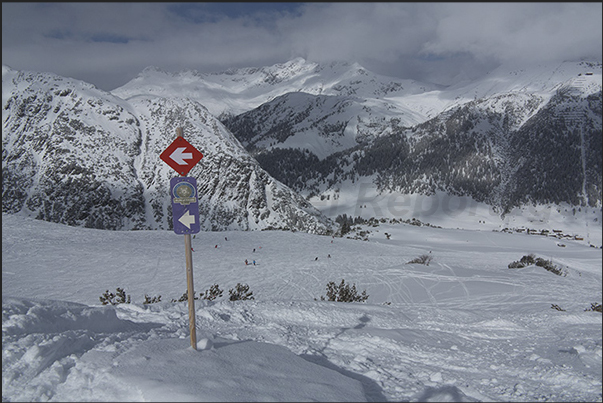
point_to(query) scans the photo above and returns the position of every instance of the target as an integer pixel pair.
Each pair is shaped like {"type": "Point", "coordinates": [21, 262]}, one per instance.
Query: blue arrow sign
{"type": "Point", "coordinates": [185, 205]}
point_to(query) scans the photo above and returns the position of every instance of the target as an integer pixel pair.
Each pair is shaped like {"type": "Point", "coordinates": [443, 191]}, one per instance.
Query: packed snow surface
{"type": "Point", "coordinates": [463, 328]}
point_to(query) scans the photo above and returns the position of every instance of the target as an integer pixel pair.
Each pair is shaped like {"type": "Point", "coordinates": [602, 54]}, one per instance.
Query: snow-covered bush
{"type": "Point", "coordinates": [240, 293]}
{"type": "Point", "coordinates": [516, 265]}
{"type": "Point", "coordinates": [344, 293]}
{"type": "Point", "coordinates": [530, 259]}
{"type": "Point", "coordinates": [557, 307]}
{"type": "Point", "coordinates": [526, 260]}
{"type": "Point", "coordinates": [148, 300]}
{"type": "Point", "coordinates": [212, 293]}
{"type": "Point", "coordinates": [423, 259]}
{"type": "Point", "coordinates": [548, 265]}
{"type": "Point", "coordinates": [119, 297]}
{"type": "Point", "coordinates": [184, 297]}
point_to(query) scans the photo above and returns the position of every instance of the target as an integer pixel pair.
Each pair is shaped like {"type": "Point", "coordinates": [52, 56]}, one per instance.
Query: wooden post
{"type": "Point", "coordinates": [190, 289]}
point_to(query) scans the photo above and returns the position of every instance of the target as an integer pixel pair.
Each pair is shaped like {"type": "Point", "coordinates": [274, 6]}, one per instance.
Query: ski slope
{"type": "Point", "coordinates": [463, 328]}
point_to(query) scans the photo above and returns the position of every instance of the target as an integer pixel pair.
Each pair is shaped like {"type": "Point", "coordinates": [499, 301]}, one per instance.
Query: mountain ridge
{"type": "Point", "coordinates": [77, 155]}
{"type": "Point", "coordinates": [324, 130]}
{"type": "Point", "coordinates": [348, 139]}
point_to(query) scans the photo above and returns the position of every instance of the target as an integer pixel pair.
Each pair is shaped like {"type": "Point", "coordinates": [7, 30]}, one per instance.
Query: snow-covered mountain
{"type": "Point", "coordinates": [349, 104]}
{"type": "Point", "coordinates": [517, 136]}
{"type": "Point", "coordinates": [77, 155]}
{"type": "Point", "coordinates": [506, 151]}
{"type": "Point", "coordinates": [521, 135]}
{"type": "Point", "coordinates": [234, 91]}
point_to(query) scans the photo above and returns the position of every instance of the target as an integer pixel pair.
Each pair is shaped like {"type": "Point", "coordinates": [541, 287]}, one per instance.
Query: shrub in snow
{"type": "Point", "coordinates": [153, 300]}
{"type": "Point", "coordinates": [548, 265]}
{"type": "Point", "coordinates": [423, 259]}
{"type": "Point", "coordinates": [119, 297]}
{"type": "Point", "coordinates": [212, 293]}
{"type": "Point", "coordinates": [530, 259]}
{"type": "Point", "coordinates": [345, 223]}
{"type": "Point", "coordinates": [184, 297]}
{"type": "Point", "coordinates": [516, 265]}
{"type": "Point", "coordinates": [240, 293]}
{"type": "Point", "coordinates": [557, 307]}
{"type": "Point", "coordinates": [526, 260]}
{"type": "Point", "coordinates": [344, 293]}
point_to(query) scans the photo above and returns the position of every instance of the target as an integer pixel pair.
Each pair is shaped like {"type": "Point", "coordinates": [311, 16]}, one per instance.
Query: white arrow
{"type": "Point", "coordinates": [187, 219]}
{"type": "Point", "coordinates": [179, 156]}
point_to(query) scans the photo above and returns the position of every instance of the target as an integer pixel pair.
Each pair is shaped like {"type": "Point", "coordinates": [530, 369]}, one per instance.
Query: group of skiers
{"type": "Point", "coordinates": [247, 262]}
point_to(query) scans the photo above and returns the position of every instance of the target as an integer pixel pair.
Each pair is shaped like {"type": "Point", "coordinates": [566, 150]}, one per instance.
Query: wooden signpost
{"type": "Point", "coordinates": [190, 290]}
{"type": "Point", "coordinates": [182, 156]}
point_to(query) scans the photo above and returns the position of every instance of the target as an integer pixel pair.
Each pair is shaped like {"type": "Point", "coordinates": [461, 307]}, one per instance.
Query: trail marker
{"type": "Point", "coordinates": [181, 155]}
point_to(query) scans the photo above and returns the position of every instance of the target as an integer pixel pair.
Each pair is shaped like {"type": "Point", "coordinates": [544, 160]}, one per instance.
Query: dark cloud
{"type": "Point", "coordinates": [108, 44]}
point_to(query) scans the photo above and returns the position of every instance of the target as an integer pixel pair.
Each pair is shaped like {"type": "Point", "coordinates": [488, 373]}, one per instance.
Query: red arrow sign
{"type": "Point", "coordinates": [181, 156]}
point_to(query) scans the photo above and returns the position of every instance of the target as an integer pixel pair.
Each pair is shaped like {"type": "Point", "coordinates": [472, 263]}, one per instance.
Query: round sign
{"type": "Point", "coordinates": [184, 189]}
{"type": "Point", "coordinates": [184, 193]}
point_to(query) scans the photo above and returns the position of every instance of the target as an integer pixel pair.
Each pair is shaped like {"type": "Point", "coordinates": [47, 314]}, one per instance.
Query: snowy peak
{"type": "Point", "coordinates": [365, 106]}
{"type": "Point", "coordinates": [541, 79]}
{"type": "Point", "coordinates": [235, 91]}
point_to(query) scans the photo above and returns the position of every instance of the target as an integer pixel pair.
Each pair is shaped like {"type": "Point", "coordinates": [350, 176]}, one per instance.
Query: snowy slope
{"type": "Point", "coordinates": [321, 124]}
{"type": "Point", "coordinates": [539, 79]}
{"type": "Point", "coordinates": [68, 152]}
{"type": "Point", "coordinates": [235, 192]}
{"type": "Point", "coordinates": [463, 328]}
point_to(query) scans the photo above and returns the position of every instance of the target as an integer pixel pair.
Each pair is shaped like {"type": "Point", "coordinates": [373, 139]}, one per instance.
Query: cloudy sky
{"type": "Point", "coordinates": [108, 44]}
